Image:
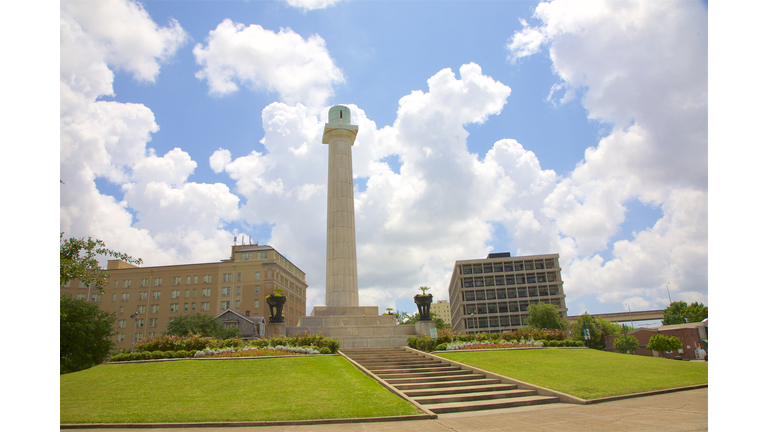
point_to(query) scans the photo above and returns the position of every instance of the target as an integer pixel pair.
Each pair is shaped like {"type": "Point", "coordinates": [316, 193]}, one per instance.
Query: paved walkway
{"type": "Point", "coordinates": [678, 411]}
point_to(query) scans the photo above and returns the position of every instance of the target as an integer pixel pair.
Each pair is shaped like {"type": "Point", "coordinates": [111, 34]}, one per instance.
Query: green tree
{"type": "Point", "coordinates": [77, 260]}
{"type": "Point", "coordinates": [85, 334]}
{"type": "Point", "coordinates": [545, 316]}
{"type": "Point", "coordinates": [405, 318]}
{"type": "Point", "coordinates": [664, 343]}
{"type": "Point", "coordinates": [625, 343]}
{"type": "Point", "coordinates": [204, 325]}
{"type": "Point", "coordinates": [598, 328]}
{"type": "Point", "coordinates": [680, 312]}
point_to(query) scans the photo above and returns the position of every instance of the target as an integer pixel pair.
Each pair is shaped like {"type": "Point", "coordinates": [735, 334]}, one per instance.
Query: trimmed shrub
{"type": "Point", "coordinates": [325, 350]}
{"type": "Point", "coordinates": [121, 357]}
{"type": "Point", "coordinates": [441, 347]}
{"type": "Point", "coordinates": [157, 354]}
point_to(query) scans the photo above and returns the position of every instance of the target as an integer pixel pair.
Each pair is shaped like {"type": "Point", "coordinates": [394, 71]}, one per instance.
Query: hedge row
{"type": "Point", "coordinates": [553, 338]}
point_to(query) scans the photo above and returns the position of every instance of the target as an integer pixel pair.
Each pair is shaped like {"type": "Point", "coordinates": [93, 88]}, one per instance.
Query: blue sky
{"type": "Point", "coordinates": [577, 128]}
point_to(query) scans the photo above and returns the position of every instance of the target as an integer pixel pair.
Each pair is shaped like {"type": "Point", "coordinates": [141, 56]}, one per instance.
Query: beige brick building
{"type": "Point", "coordinates": [492, 294]}
{"type": "Point", "coordinates": [157, 294]}
{"type": "Point", "coordinates": [442, 309]}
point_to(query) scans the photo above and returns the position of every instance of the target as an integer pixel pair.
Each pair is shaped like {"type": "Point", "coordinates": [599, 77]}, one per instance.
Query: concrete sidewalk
{"type": "Point", "coordinates": [678, 411]}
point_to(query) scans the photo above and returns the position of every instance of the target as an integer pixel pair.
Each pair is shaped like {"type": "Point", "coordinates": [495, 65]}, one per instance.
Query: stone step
{"type": "Point", "coordinates": [403, 366]}
{"type": "Point", "coordinates": [375, 364]}
{"type": "Point", "coordinates": [455, 383]}
{"type": "Point", "coordinates": [491, 404]}
{"type": "Point", "coordinates": [455, 371]}
{"type": "Point", "coordinates": [459, 390]}
{"type": "Point", "coordinates": [410, 370]}
{"type": "Point", "coordinates": [475, 396]}
{"type": "Point", "coordinates": [434, 379]}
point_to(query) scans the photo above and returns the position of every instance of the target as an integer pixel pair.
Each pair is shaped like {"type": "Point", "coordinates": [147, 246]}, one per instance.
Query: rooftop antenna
{"type": "Point", "coordinates": [249, 240]}
{"type": "Point", "coordinates": [235, 240]}
{"type": "Point", "coordinates": [242, 240]}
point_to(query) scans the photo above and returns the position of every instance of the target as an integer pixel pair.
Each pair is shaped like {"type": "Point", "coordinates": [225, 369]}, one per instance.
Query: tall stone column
{"type": "Point", "coordinates": [341, 253]}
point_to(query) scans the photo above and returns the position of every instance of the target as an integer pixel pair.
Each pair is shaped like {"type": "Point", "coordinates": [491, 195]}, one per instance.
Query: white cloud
{"type": "Point", "coordinates": [641, 67]}
{"type": "Point", "coordinates": [177, 220]}
{"type": "Point", "coordinates": [308, 5]}
{"type": "Point", "coordinates": [300, 70]}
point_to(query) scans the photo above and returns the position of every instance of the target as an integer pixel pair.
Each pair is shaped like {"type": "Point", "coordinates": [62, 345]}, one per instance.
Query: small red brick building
{"type": "Point", "coordinates": [691, 335]}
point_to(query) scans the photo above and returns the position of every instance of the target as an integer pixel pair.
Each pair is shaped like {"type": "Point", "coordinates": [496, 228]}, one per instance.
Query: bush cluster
{"type": "Point", "coordinates": [166, 346]}
{"type": "Point", "coordinates": [548, 338]}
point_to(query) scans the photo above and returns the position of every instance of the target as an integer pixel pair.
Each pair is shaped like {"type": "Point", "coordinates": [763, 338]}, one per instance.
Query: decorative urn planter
{"type": "Point", "coordinates": [423, 302]}
{"type": "Point", "coordinates": [276, 303]}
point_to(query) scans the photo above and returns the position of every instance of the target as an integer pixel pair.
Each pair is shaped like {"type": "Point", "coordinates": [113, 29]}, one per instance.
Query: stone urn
{"type": "Point", "coordinates": [423, 302]}
{"type": "Point", "coordinates": [276, 302]}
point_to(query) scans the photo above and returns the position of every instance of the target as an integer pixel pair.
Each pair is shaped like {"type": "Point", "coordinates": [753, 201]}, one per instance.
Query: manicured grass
{"type": "Point", "coordinates": [586, 373]}
{"type": "Point", "coordinates": [295, 388]}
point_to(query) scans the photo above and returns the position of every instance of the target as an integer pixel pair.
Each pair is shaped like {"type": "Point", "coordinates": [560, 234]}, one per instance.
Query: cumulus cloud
{"type": "Point", "coordinates": [299, 70]}
{"type": "Point", "coordinates": [641, 68]}
{"type": "Point", "coordinates": [101, 139]}
{"type": "Point", "coordinates": [308, 5]}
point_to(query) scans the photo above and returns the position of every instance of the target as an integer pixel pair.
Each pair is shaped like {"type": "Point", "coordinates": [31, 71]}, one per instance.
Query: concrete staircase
{"type": "Point", "coordinates": [440, 387]}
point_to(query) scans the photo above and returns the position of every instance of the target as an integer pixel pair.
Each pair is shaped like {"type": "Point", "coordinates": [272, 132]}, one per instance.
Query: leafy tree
{"type": "Point", "coordinates": [404, 318]}
{"type": "Point", "coordinates": [204, 325]}
{"type": "Point", "coordinates": [680, 312]}
{"type": "Point", "coordinates": [664, 343]}
{"type": "Point", "coordinates": [77, 260]}
{"type": "Point", "coordinates": [598, 328]}
{"type": "Point", "coordinates": [625, 343]}
{"type": "Point", "coordinates": [85, 335]}
{"type": "Point", "coordinates": [545, 316]}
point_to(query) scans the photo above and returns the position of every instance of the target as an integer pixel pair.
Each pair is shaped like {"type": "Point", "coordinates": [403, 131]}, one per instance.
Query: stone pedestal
{"type": "Point", "coordinates": [355, 327]}
{"type": "Point", "coordinates": [424, 326]}
{"type": "Point", "coordinates": [275, 329]}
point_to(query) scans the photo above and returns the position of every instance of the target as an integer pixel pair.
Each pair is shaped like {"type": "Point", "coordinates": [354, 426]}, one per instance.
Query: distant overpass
{"type": "Point", "coordinates": [625, 316]}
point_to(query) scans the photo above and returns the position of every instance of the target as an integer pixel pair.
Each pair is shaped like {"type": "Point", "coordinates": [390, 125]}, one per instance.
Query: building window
{"type": "Point", "coordinates": [155, 308]}
{"type": "Point", "coordinates": [238, 290]}
{"type": "Point", "coordinates": [155, 295]}
{"type": "Point", "coordinates": [127, 283]}
{"type": "Point", "coordinates": [158, 281]}
{"type": "Point", "coordinates": [195, 279]}
{"type": "Point", "coordinates": [186, 307]}
{"type": "Point", "coordinates": [238, 277]}
{"type": "Point", "coordinates": [258, 275]}
{"type": "Point", "coordinates": [186, 293]}
{"type": "Point", "coordinates": [114, 297]}
{"type": "Point", "coordinates": [237, 304]}
{"type": "Point", "coordinates": [188, 279]}
{"type": "Point", "coordinates": [143, 295]}
{"type": "Point", "coordinates": [206, 292]}
{"type": "Point", "coordinates": [121, 323]}
{"type": "Point", "coordinates": [174, 307]}
{"type": "Point", "coordinates": [153, 322]}
{"type": "Point", "coordinates": [256, 289]}
{"type": "Point", "coordinates": [226, 291]}
{"type": "Point", "coordinates": [141, 309]}
{"type": "Point", "coordinates": [224, 305]}
{"type": "Point", "coordinates": [115, 285]}
{"type": "Point", "coordinates": [245, 256]}
{"type": "Point", "coordinates": [261, 255]}
{"type": "Point", "coordinates": [121, 310]}
{"type": "Point", "coordinates": [205, 306]}
{"type": "Point", "coordinates": [125, 296]}
{"type": "Point", "coordinates": [137, 337]}
{"type": "Point", "coordinates": [95, 297]}
{"type": "Point", "coordinates": [207, 279]}
{"type": "Point", "coordinates": [119, 337]}
{"type": "Point", "coordinates": [193, 306]}
{"type": "Point", "coordinates": [194, 293]}
{"type": "Point", "coordinates": [144, 282]}
{"type": "Point", "coordinates": [175, 294]}
{"type": "Point", "coordinates": [255, 303]}
{"type": "Point", "coordinates": [227, 277]}
{"type": "Point", "coordinates": [140, 322]}
{"type": "Point", "coordinates": [80, 284]}
{"type": "Point", "coordinates": [67, 284]}
{"type": "Point", "coordinates": [176, 280]}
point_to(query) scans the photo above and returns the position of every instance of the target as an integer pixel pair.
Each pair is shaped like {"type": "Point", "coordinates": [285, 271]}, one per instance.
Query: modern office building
{"type": "Point", "coordinates": [442, 309]}
{"type": "Point", "coordinates": [492, 294]}
{"type": "Point", "coordinates": [158, 294]}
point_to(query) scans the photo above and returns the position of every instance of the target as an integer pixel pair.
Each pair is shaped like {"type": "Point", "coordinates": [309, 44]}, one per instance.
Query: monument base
{"type": "Point", "coordinates": [424, 326]}
{"type": "Point", "coordinates": [275, 329]}
{"type": "Point", "coordinates": [355, 327]}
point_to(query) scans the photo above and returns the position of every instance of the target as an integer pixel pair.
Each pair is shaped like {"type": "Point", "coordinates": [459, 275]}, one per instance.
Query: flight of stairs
{"type": "Point", "coordinates": [440, 387]}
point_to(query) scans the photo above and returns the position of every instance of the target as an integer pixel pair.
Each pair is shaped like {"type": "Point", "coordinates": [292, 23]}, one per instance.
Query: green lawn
{"type": "Point", "coordinates": [296, 388]}
{"type": "Point", "coordinates": [586, 373]}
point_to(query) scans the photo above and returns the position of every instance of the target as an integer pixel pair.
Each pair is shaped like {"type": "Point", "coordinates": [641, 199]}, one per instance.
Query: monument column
{"type": "Point", "coordinates": [341, 253]}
